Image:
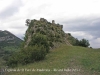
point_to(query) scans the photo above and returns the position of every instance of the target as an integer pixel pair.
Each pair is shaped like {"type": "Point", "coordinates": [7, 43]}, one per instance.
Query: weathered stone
{"type": "Point", "coordinates": [61, 26]}
{"type": "Point", "coordinates": [53, 21]}
{"type": "Point", "coordinates": [52, 31]}
{"type": "Point", "coordinates": [43, 20]}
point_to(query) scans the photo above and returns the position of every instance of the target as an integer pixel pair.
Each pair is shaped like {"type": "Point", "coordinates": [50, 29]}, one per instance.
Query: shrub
{"type": "Point", "coordinates": [27, 55]}
{"type": "Point", "coordinates": [40, 39]}
{"type": "Point", "coordinates": [69, 34]}
{"type": "Point", "coordinates": [51, 44]}
{"type": "Point", "coordinates": [13, 60]}
{"type": "Point", "coordinates": [38, 30]}
{"type": "Point", "coordinates": [84, 43]}
{"type": "Point", "coordinates": [35, 53]}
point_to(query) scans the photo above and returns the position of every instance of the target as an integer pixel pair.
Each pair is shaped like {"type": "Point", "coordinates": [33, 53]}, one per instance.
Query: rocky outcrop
{"type": "Point", "coordinates": [54, 32]}
{"type": "Point", "coordinates": [6, 38]}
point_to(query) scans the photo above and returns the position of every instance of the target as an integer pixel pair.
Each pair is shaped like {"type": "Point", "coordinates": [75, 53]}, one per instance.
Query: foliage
{"type": "Point", "coordinates": [7, 51]}
{"type": "Point", "coordinates": [84, 43]}
{"type": "Point", "coordinates": [27, 55]}
{"type": "Point", "coordinates": [35, 51]}
{"type": "Point", "coordinates": [39, 39]}
{"type": "Point", "coordinates": [13, 60]}
{"type": "Point", "coordinates": [52, 32]}
{"type": "Point", "coordinates": [74, 41]}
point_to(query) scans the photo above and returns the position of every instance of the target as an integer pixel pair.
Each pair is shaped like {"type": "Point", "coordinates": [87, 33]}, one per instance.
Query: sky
{"type": "Point", "coordinates": [81, 18]}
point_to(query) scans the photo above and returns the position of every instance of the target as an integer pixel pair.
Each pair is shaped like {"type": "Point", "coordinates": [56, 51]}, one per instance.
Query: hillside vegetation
{"type": "Point", "coordinates": [53, 32]}
{"type": "Point", "coordinates": [48, 50]}
{"type": "Point", "coordinates": [79, 61]}
{"type": "Point", "coordinates": [9, 44]}
{"type": "Point", "coordinates": [41, 37]}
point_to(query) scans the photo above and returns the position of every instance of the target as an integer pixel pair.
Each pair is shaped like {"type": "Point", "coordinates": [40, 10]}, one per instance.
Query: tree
{"type": "Point", "coordinates": [76, 42]}
{"type": "Point", "coordinates": [40, 39]}
{"type": "Point", "coordinates": [84, 43]}
{"type": "Point", "coordinates": [28, 21]}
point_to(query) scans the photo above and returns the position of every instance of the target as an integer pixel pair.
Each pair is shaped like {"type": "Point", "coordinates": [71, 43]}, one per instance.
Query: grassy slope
{"type": "Point", "coordinates": [85, 60]}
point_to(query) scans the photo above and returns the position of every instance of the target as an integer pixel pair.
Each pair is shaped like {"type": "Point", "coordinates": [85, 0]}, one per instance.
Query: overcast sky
{"type": "Point", "coordinates": [81, 18]}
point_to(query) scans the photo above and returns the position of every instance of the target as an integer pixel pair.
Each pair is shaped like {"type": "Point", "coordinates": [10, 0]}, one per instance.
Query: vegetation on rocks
{"type": "Point", "coordinates": [75, 42]}
{"type": "Point", "coordinates": [40, 37]}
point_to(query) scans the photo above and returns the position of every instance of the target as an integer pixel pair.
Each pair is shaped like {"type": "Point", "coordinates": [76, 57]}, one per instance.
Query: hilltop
{"type": "Point", "coordinates": [52, 31]}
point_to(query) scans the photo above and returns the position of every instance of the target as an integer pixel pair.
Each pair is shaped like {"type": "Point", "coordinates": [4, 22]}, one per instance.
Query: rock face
{"type": "Point", "coordinates": [54, 32]}
{"type": "Point", "coordinates": [7, 38]}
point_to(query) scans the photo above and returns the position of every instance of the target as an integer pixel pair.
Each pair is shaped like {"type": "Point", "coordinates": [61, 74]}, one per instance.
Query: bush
{"type": "Point", "coordinates": [27, 55]}
{"type": "Point", "coordinates": [40, 39]}
{"type": "Point", "coordinates": [35, 53]}
{"type": "Point", "coordinates": [13, 60]}
{"type": "Point", "coordinates": [84, 43]}
{"type": "Point", "coordinates": [51, 44]}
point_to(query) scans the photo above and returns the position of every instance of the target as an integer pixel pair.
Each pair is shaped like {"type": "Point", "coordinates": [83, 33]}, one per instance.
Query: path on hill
{"type": "Point", "coordinates": [67, 42]}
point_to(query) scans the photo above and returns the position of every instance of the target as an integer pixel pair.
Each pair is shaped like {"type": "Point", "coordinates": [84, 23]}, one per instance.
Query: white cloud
{"type": "Point", "coordinates": [11, 9]}
{"type": "Point", "coordinates": [61, 9]}
{"type": "Point", "coordinates": [81, 35]}
{"type": "Point", "coordinates": [4, 4]}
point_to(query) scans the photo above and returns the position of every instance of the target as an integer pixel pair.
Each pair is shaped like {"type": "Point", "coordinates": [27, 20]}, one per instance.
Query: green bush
{"type": "Point", "coordinates": [84, 43]}
{"type": "Point", "coordinates": [27, 55]}
{"type": "Point", "coordinates": [40, 39]}
{"type": "Point", "coordinates": [35, 53]}
{"type": "Point", "coordinates": [74, 41]}
{"type": "Point", "coordinates": [51, 44]}
{"type": "Point", "coordinates": [13, 60]}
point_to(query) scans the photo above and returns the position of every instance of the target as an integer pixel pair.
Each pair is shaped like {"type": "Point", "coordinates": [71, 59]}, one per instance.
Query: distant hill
{"type": "Point", "coordinates": [9, 43]}
{"type": "Point", "coordinates": [9, 39]}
